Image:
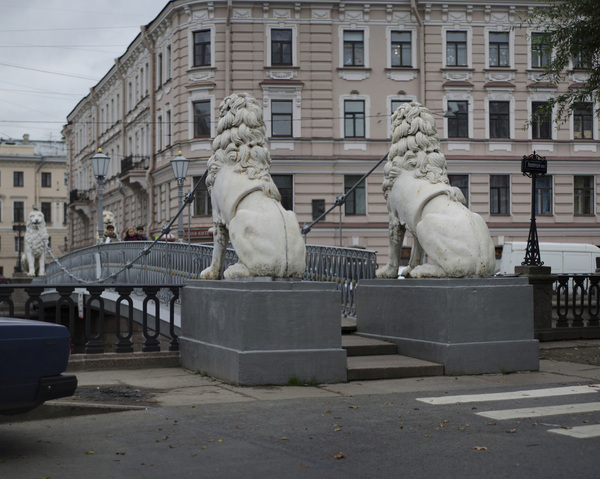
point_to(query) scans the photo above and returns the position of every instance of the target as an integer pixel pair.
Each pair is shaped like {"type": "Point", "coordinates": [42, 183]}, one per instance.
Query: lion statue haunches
{"type": "Point", "coordinates": [420, 199]}
{"type": "Point", "coordinates": [246, 204]}
{"type": "Point", "coordinates": [36, 239]}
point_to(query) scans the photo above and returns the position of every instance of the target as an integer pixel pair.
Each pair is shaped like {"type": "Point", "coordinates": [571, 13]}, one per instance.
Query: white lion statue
{"type": "Point", "coordinates": [421, 200]}
{"type": "Point", "coordinates": [246, 203]}
{"type": "Point", "coordinates": [36, 239]}
{"type": "Point", "coordinates": [108, 218]}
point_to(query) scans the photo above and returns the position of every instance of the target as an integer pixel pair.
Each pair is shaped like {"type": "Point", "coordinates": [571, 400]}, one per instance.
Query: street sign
{"type": "Point", "coordinates": [534, 164]}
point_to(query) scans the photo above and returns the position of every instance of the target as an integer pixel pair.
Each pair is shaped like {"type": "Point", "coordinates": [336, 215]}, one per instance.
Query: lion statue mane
{"type": "Point", "coordinates": [420, 199]}
{"type": "Point", "coordinates": [246, 203]}
{"type": "Point", "coordinates": [36, 240]}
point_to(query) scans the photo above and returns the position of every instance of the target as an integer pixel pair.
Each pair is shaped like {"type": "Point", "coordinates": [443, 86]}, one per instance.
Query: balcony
{"type": "Point", "coordinates": [78, 195]}
{"type": "Point", "coordinates": [134, 163]}
{"type": "Point", "coordinates": [133, 172]}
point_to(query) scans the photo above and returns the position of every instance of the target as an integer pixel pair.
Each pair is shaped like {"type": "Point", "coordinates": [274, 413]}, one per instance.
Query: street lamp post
{"type": "Point", "coordinates": [180, 167]}
{"type": "Point", "coordinates": [100, 168]}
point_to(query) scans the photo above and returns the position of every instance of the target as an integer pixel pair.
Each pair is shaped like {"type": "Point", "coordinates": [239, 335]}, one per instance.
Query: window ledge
{"type": "Point", "coordinates": [353, 73]}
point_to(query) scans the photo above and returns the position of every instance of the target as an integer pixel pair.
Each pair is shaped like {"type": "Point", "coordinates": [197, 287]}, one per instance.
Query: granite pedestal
{"type": "Point", "coordinates": [470, 325]}
{"type": "Point", "coordinates": [258, 332]}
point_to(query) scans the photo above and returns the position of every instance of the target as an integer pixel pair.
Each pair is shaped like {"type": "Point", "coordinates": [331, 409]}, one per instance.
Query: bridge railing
{"type": "Point", "coordinates": [577, 300]}
{"type": "Point", "coordinates": [163, 263]}
{"type": "Point", "coordinates": [120, 316]}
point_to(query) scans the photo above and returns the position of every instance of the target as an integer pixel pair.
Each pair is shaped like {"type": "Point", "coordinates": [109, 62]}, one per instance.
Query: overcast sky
{"type": "Point", "coordinates": [53, 51]}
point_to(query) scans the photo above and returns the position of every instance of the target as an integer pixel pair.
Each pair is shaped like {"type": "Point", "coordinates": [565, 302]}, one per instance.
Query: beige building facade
{"type": "Point", "coordinates": [329, 75]}
{"type": "Point", "coordinates": [32, 173]}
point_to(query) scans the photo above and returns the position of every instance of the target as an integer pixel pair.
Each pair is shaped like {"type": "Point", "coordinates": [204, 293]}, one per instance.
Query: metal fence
{"type": "Point", "coordinates": [577, 299]}
{"type": "Point", "coordinates": [100, 315]}
{"type": "Point", "coordinates": [140, 262]}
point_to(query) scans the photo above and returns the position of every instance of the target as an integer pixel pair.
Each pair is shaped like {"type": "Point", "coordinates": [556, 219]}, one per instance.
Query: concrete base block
{"type": "Point", "coordinates": [470, 325]}
{"type": "Point", "coordinates": [250, 332]}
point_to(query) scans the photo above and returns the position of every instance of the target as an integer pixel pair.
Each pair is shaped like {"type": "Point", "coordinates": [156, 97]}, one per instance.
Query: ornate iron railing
{"type": "Point", "coordinates": [84, 311]}
{"type": "Point", "coordinates": [172, 263]}
{"type": "Point", "coordinates": [577, 298]}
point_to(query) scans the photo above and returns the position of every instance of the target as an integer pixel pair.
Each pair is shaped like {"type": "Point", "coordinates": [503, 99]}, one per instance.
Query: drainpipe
{"type": "Point", "coordinates": [228, 49]}
{"type": "Point", "coordinates": [122, 114]}
{"type": "Point", "coordinates": [421, 41]}
{"type": "Point", "coordinates": [146, 40]}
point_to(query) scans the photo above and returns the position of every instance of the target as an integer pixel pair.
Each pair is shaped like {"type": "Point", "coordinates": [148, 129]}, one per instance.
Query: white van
{"type": "Point", "coordinates": [563, 258]}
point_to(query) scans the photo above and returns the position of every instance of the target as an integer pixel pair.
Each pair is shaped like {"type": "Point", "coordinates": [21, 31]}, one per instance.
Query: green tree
{"type": "Point", "coordinates": [571, 31]}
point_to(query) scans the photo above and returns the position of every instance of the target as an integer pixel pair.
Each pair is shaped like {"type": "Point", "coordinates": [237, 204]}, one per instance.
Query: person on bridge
{"type": "Point", "coordinates": [131, 235]}
{"type": "Point", "coordinates": [140, 233]}
{"type": "Point", "coordinates": [110, 235]}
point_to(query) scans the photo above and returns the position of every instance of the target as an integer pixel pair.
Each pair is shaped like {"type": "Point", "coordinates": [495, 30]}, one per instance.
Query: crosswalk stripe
{"type": "Point", "coordinates": [542, 411]}
{"type": "Point", "coordinates": [533, 393]}
{"type": "Point", "coordinates": [579, 432]}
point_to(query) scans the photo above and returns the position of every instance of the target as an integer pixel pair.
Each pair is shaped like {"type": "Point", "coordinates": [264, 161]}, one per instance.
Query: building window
{"type": "Point", "coordinates": [401, 49]}
{"type": "Point", "coordinates": [201, 119]}
{"type": "Point", "coordinates": [499, 195]}
{"type": "Point", "coordinates": [583, 195]}
{"type": "Point", "coordinates": [19, 244]}
{"type": "Point", "coordinates": [168, 126]}
{"type": "Point", "coordinates": [354, 48]}
{"type": "Point", "coordinates": [18, 212]}
{"type": "Point", "coordinates": [46, 209]}
{"type": "Point", "coordinates": [46, 180]}
{"type": "Point", "coordinates": [281, 47]}
{"type": "Point", "coordinates": [462, 183]}
{"type": "Point", "coordinates": [159, 134]}
{"type": "Point", "coordinates": [499, 49]}
{"type": "Point", "coordinates": [583, 121]}
{"type": "Point", "coordinates": [356, 203]}
{"type": "Point", "coordinates": [18, 178]}
{"type": "Point", "coordinates": [458, 127]}
{"type": "Point", "coordinates": [202, 204]}
{"type": "Point", "coordinates": [499, 119]}
{"type": "Point", "coordinates": [159, 70]}
{"type": "Point", "coordinates": [354, 118]}
{"type": "Point", "coordinates": [168, 64]}
{"type": "Point", "coordinates": [543, 195]}
{"type": "Point", "coordinates": [541, 122]}
{"type": "Point", "coordinates": [281, 118]}
{"type": "Point", "coordinates": [202, 48]}
{"type": "Point", "coordinates": [285, 186]}
{"type": "Point", "coordinates": [541, 52]}
{"type": "Point", "coordinates": [456, 49]}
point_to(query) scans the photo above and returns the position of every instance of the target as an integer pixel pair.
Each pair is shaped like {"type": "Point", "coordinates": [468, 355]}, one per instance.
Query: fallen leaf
{"type": "Point", "coordinates": [303, 466]}
{"type": "Point", "coordinates": [566, 427]}
{"type": "Point", "coordinates": [480, 448]}
{"type": "Point", "coordinates": [90, 452]}
{"type": "Point", "coordinates": [341, 455]}
{"type": "Point", "coordinates": [284, 438]}
{"type": "Point", "coordinates": [511, 431]}
{"type": "Point", "coordinates": [337, 429]}
{"type": "Point", "coordinates": [353, 407]}
{"type": "Point", "coordinates": [327, 412]}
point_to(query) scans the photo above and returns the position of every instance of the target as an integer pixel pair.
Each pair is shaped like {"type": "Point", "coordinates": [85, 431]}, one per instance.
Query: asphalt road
{"type": "Point", "coordinates": [406, 435]}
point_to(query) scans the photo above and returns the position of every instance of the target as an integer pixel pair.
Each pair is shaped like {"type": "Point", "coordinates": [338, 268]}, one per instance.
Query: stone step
{"type": "Point", "coordinates": [348, 325]}
{"type": "Point", "coordinates": [393, 366]}
{"type": "Point", "coordinates": [359, 346]}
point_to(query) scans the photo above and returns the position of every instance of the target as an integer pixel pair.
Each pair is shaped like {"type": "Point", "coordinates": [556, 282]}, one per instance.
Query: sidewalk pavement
{"type": "Point", "coordinates": [175, 386]}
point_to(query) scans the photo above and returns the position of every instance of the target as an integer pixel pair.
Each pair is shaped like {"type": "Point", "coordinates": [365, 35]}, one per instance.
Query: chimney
{"type": "Point", "coordinates": [26, 139]}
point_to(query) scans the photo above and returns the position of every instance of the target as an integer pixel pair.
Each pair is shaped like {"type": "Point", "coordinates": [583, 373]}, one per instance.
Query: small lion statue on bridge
{"type": "Point", "coordinates": [36, 240]}
{"type": "Point", "coordinates": [246, 203]}
{"type": "Point", "coordinates": [420, 199]}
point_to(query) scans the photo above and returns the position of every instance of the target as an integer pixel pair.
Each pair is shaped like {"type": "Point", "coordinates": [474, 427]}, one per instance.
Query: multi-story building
{"type": "Point", "coordinates": [32, 173]}
{"type": "Point", "coordinates": [329, 75]}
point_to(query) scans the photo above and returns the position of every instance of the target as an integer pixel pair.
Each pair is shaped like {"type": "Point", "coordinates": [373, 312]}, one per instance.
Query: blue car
{"type": "Point", "coordinates": [33, 358]}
